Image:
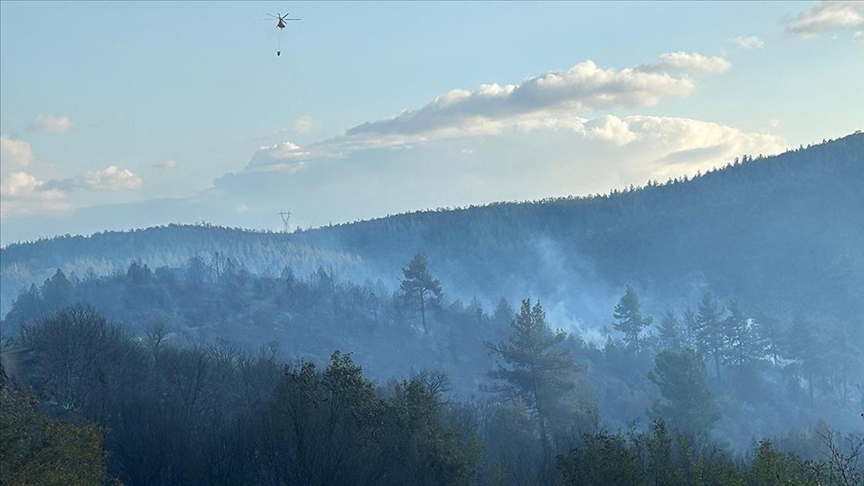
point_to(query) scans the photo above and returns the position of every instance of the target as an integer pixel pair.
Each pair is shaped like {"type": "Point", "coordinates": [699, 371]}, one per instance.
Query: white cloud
{"type": "Point", "coordinates": [113, 179]}
{"type": "Point", "coordinates": [670, 146]}
{"type": "Point", "coordinates": [859, 35]}
{"type": "Point", "coordinates": [610, 128]}
{"type": "Point", "coordinates": [825, 17]}
{"type": "Point", "coordinates": [242, 208]}
{"type": "Point", "coordinates": [748, 42]}
{"type": "Point", "coordinates": [167, 165]}
{"type": "Point", "coordinates": [52, 123]}
{"type": "Point", "coordinates": [688, 63]}
{"type": "Point", "coordinates": [303, 124]}
{"type": "Point", "coordinates": [552, 100]}
{"type": "Point", "coordinates": [23, 194]}
{"type": "Point", "coordinates": [584, 87]}
{"type": "Point", "coordinates": [538, 129]}
{"type": "Point", "coordinates": [682, 145]}
{"type": "Point", "coordinates": [15, 152]}
{"type": "Point", "coordinates": [18, 184]}
{"type": "Point", "coordinates": [284, 156]}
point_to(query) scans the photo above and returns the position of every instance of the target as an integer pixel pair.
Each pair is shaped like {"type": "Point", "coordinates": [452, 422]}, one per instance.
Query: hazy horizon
{"type": "Point", "coordinates": [129, 115]}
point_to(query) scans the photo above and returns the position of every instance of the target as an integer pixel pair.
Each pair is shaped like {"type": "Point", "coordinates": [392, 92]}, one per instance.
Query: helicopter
{"type": "Point", "coordinates": [281, 20]}
{"type": "Point", "coordinates": [280, 23]}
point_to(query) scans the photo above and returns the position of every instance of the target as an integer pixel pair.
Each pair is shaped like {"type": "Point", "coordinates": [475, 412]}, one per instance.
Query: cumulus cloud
{"type": "Point", "coordinates": [284, 156]}
{"type": "Point", "coordinates": [19, 184]}
{"type": "Point", "coordinates": [610, 128]}
{"type": "Point", "coordinates": [684, 144]}
{"type": "Point", "coordinates": [112, 179]}
{"type": "Point", "coordinates": [748, 42]}
{"type": "Point", "coordinates": [552, 101]}
{"type": "Point", "coordinates": [673, 145]}
{"type": "Point", "coordinates": [15, 152]}
{"type": "Point", "coordinates": [680, 142]}
{"type": "Point", "coordinates": [826, 17]}
{"type": "Point", "coordinates": [25, 194]}
{"type": "Point", "coordinates": [22, 193]}
{"type": "Point", "coordinates": [548, 123]}
{"type": "Point", "coordinates": [584, 87]}
{"type": "Point", "coordinates": [51, 123]}
{"type": "Point", "coordinates": [688, 63]}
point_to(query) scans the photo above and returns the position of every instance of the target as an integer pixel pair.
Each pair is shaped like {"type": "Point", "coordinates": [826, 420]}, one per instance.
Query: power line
{"type": "Point", "coordinates": [285, 216]}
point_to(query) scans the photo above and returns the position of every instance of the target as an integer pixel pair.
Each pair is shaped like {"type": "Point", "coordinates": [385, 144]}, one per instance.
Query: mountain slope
{"type": "Point", "coordinates": [774, 232]}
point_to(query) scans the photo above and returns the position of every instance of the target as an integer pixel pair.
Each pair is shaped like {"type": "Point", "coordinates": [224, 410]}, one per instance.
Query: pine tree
{"type": "Point", "coordinates": [197, 270]}
{"type": "Point", "coordinates": [57, 292]}
{"type": "Point", "coordinates": [502, 316]}
{"type": "Point", "coordinates": [138, 275]}
{"type": "Point", "coordinates": [743, 345]}
{"type": "Point", "coordinates": [735, 336]}
{"type": "Point", "coordinates": [669, 331]}
{"type": "Point", "coordinates": [288, 276]}
{"type": "Point", "coordinates": [418, 289]}
{"type": "Point", "coordinates": [475, 308]}
{"type": "Point", "coordinates": [687, 402]}
{"type": "Point", "coordinates": [629, 320]}
{"type": "Point", "coordinates": [807, 348]}
{"type": "Point", "coordinates": [27, 307]}
{"type": "Point", "coordinates": [709, 330]}
{"type": "Point", "coordinates": [537, 370]}
{"type": "Point", "coordinates": [688, 325]}
{"type": "Point", "coordinates": [771, 335]}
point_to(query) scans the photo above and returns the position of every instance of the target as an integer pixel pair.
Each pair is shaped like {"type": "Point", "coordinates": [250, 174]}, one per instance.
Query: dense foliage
{"type": "Point", "coordinates": [210, 357]}
{"type": "Point", "coordinates": [770, 371]}
{"type": "Point", "coordinates": [37, 449]}
{"type": "Point", "coordinates": [182, 414]}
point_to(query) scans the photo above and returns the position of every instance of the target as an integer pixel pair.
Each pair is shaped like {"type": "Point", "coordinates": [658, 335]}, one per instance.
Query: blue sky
{"type": "Point", "coordinates": [116, 115]}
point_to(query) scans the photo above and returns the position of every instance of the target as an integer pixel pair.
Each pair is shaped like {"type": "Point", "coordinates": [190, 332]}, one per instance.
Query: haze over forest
{"type": "Point", "coordinates": [485, 309]}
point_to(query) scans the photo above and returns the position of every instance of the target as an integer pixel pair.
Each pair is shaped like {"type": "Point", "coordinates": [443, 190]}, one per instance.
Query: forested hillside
{"type": "Point", "coordinates": [550, 409]}
{"type": "Point", "coordinates": [776, 232]}
{"type": "Point", "coordinates": [703, 331]}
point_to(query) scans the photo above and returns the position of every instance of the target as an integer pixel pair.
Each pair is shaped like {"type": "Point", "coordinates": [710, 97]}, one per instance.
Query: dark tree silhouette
{"type": "Point", "coordinates": [629, 319]}
{"type": "Point", "coordinates": [418, 289]}
{"type": "Point", "coordinates": [536, 370]}
{"type": "Point", "coordinates": [687, 403]}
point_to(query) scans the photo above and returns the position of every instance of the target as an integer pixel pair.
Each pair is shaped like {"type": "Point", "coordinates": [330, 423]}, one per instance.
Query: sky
{"type": "Point", "coordinates": [120, 115]}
